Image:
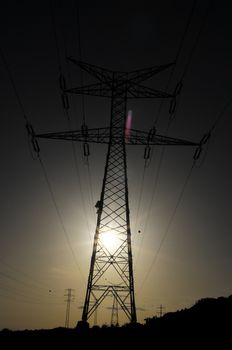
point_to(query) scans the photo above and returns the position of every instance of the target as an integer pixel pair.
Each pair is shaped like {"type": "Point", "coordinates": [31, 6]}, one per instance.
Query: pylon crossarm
{"type": "Point", "coordinates": [101, 287]}
{"type": "Point", "coordinates": [138, 137]}
{"type": "Point", "coordinates": [102, 136]}
{"type": "Point", "coordinates": [98, 89]}
{"type": "Point", "coordinates": [140, 91]}
{"type": "Point", "coordinates": [96, 135]}
{"type": "Point", "coordinates": [106, 75]}
{"type": "Point", "coordinates": [137, 76]}
{"type": "Point", "coordinates": [134, 90]}
{"type": "Point", "coordinates": [102, 74]}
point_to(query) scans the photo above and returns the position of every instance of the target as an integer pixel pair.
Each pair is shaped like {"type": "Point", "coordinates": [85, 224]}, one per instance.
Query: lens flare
{"type": "Point", "coordinates": [128, 126]}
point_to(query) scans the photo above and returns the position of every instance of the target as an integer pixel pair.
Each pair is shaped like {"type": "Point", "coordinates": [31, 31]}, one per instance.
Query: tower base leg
{"type": "Point", "coordinates": [82, 325]}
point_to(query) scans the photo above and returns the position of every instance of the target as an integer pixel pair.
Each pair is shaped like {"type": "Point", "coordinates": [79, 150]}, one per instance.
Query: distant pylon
{"type": "Point", "coordinates": [161, 308]}
{"type": "Point", "coordinates": [70, 298]}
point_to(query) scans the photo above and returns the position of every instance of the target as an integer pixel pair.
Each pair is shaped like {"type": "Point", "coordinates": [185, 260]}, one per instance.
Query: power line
{"type": "Point", "coordinates": [28, 300]}
{"type": "Point", "coordinates": [182, 78]}
{"type": "Point", "coordinates": [66, 110]}
{"type": "Point", "coordinates": [25, 118]}
{"type": "Point", "coordinates": [180, 47]}
{"type": "Point", "coordinates": [78, 174]}
{"type": "Point", "coordinates": [24, 274]}
{"type": "Point", "coordinates": [13, 85]}
{"type": "Point", "coordinates": [80, 49]}
{"type": "Point", "coordinates": [213, 127]}
{"type": "Point", "coordinates": [154, 190]}
{"type": "Point", "coordinates": [169, 225]}
{"type": "Point", "coordinates": [189, 20]}
{"type": "Point", "coordinates": [169, 122]}
{"type": "Point", "coordinates": [187, 65]}
{"type": "Point", "coordinates": [146, 165]}
{"type": "Point", "coordinates": [24, 293]}
{"type": "Point", "coordinates": [204, 21]}
{"type": "Point", "coordinates": [140, 198]}
{"type": "Point", "coordinates": [90, 186]}
{"type": "Point", "coordinates": [220, 115]}
{"type": "Point", "coordinates": [52, 11]}
{"type": "Point", "coordinates": [36, 148]}
{"type": "Point", "coordinates": [19, 281]}
{"type": "Point", "coordinates": [78, 27]}
{"type": "Point", "coordinates": [59, 215]}
{"type": "Point", "coordinates": [138, 208]}
{"type": "Point", "coordinates": [39, 286]}
{"type": "Point", "coordinates": [217, 120]}
{"type": "Point", "coordinates": [80, 187]}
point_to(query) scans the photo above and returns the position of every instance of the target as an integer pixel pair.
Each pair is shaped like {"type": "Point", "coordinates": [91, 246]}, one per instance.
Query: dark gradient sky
{"type": "Point", "coordinates": [195, 259]}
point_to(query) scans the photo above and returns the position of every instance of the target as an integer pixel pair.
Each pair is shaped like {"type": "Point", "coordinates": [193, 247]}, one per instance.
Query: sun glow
{"type": "Point", "coordinates": [109, 239]}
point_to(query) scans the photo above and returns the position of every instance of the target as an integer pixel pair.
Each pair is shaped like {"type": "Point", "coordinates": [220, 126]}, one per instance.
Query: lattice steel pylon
{"type": "Point", "coordinates": [111, 266]}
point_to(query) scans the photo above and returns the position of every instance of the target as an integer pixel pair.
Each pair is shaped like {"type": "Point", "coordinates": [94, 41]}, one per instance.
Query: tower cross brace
{"type": "Point", "coordinates": [111, 265]}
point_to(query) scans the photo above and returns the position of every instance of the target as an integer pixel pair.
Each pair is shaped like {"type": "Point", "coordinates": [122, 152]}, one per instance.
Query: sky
{"type": "Point", "coordinates": [183, 250]}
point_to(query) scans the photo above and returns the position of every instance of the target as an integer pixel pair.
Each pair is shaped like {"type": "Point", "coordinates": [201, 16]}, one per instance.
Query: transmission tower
{"type": "Point", "coordinates": [111, 267]}
{"type": "Point", "coordinates": [161, 308]}
{"type": "Point", "coordinates": [69, 299]}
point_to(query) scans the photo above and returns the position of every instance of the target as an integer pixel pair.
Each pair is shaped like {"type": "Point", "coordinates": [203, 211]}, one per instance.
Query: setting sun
{"type": "Point", "coordinates": [109, 239]}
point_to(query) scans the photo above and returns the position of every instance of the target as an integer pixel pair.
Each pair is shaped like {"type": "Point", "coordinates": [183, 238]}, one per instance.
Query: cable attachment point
{"type": "Point", "coordinates": [64, 96]}
{"type": "Point", "coordinates": [86, 149]}
{"type": "Point", "coordinates": [147, 152]}
{"type": "Point", "coordinates": [150, 138]}
{"type": "Point", "coordinates": [31, 135]}
{"type": "Point", "coordinates": [178, 88]}
{"type": "Point", "coordinates": [65, 101]}
{"type": "Point", "coordinates": [35, 145]}
{"type": "Point", "coordinates": [84, 130]}
{"type": "Point", "coordinates": [175, 98]}
{"type": "Point", "coordinates": [62, 82]}
{"type": "Point", "coordinates": [30, 130]}
{"type": "Point", "coordinates": [199, 149]}
{"type": "Point", "coordinates": [205, 138]}
{"type": "Point", "coordinates": [197, 153]}
{"type": "Point", "coordinates": [151, 135]}
{"type": "Point", "coordinates": [172, 106]}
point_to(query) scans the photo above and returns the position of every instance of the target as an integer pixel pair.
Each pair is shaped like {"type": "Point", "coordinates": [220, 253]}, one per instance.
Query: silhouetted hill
{"type": "Point", "coordinates": [208, 320]}
{"type": "Point", "coordinates": [205, 323]}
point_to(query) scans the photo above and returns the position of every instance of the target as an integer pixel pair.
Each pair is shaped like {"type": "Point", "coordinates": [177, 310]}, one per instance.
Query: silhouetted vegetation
{"type": "Point", "coordinates": [205, 323]}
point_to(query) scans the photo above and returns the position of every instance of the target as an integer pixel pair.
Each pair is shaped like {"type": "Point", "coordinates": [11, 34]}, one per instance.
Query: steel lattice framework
{"type": "Point", "coordinates": [111, 267]}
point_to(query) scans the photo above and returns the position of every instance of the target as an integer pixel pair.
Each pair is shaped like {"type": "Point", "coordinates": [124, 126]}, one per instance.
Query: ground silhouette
{"type": "Point", "coordinates": [206, 323]}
